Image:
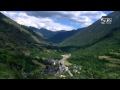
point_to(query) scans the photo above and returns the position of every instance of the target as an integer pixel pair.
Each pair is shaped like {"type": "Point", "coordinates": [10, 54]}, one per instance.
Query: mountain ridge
{"type": "Point", "coordinates": [92, 33]}
{"type": "Point", "coordinates": [45, 33]}
{"type": "Point", "coordinates": [56, 39]}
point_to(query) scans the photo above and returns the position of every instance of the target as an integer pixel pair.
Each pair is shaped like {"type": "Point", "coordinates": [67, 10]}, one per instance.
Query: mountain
{"type": "Point", "coordinates": [47, 33]}
{"type": "Point", "coordinates": [100, 60]}
{"type": "Point", "coordinates": [44, 32]}
{"type": "Point", "coordinates": [94, 32]}
{"type": "Point", "coordinates": [12, 33]}
{"type": "Point", "coordinates": [61, 36]}
{"type": "Point", "coordinates": [36, 30]}
{"type": "Point", "coordinates": [19, 45]}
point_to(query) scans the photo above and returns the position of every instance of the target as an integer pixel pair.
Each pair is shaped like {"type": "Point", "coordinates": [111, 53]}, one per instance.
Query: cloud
{"type": "Point", "coordinates": [84, 18]}
{"type": "Point", "coordinates": [38, 22]}
{"type": "Point", "coordinates": [45, 19]}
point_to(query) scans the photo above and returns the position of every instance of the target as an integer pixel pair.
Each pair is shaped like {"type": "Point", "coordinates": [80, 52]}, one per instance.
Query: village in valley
{"type": "Point", "coordinates": [59, 68]}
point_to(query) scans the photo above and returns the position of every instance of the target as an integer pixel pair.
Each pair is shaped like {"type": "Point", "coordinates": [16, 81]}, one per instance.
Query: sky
{"type": "Point", "coordinates": [56, 20]}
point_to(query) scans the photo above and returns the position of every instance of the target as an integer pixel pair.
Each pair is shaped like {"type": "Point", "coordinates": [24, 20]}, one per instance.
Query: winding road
{"type": "Point", "coordinates": [63, 60]}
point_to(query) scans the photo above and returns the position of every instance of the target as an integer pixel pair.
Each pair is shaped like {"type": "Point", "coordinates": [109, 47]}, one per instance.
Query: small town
{"type": "Point", "coordinates": [61, 67]}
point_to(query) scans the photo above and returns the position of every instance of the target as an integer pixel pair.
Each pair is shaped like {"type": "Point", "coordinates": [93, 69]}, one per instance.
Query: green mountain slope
{"type": "Point", "coordinates": [101, 60]}
{"type": "Point", "coordinates": [94, 32]}
{"type": "Point", "coordinates": [18, 47]}
{"type": "Point", "coordinates": [13, 33]}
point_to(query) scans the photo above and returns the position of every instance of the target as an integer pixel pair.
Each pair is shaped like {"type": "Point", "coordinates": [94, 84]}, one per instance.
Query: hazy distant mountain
{"type": "Point", "coordinates": [94, 32]}
{"type": "Point", "coordinates": [44, 32]}
{"type": "Point", "coordinates": [61, 36]}
{"type": "Point", "coordinates": [53, 36]}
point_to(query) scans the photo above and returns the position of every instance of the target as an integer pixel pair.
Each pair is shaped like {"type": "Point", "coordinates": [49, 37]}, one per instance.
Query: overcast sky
{"type": "Point", "coordinates": [56, 20]}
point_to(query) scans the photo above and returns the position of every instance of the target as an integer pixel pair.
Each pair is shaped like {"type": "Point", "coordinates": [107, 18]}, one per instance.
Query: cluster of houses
{"type": "Point", "coordinates": [57, 67]}
{"type": "Point", "coordinates": [57, 71]}
{"type": "Point", "coordinates": [76, 69]}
